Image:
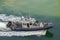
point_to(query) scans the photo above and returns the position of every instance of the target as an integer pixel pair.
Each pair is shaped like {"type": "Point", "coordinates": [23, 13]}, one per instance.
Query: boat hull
{"type": "Point", "coordinates": [31, 29]}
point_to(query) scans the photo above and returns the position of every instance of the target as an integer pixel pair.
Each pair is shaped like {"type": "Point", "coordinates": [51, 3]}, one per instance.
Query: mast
{"type": "Point", "coordinates": [29, 14]}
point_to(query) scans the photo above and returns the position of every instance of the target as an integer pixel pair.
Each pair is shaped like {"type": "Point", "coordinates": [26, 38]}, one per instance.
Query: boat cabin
{"type": "Point", "coordinates": [26, 23]}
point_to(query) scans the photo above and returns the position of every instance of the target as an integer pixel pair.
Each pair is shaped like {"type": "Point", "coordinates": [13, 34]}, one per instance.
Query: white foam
{"type": "Point", "coordinates": [3, 26]}
{"type": "Point", "coordinates": [23, 33]}
{"type": "Point", "coordinates": [3, 17]}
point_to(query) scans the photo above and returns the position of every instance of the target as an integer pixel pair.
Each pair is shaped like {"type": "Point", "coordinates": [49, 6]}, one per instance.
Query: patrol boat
{"type": "Point", "coordinates": [28, 24]}
{"type": "Point", "coordinates": [22, 26]}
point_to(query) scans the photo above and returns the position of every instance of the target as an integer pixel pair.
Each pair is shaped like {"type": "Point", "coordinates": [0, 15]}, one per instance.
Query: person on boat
{"type": "Point", "coordinates": [11, 24]}
{"type": "Point", "coordinates": [45, 24]}
{"type": "Point", "coordinates": [41, 24]}
{"type": "Point", "coordinates": [36, 23]}
{"type": "Point", "coordinates": [14, 24]}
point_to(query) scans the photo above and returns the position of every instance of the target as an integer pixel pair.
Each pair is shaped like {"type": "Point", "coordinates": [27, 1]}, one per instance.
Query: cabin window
{"type": "Point", "coordinates": [28, 25]}
{"type": "Point", "coordinates": [24, 23]}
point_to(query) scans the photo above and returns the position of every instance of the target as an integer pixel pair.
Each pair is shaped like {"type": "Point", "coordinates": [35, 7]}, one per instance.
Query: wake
{"type": "Point", "coordinates": [4, 17]}
{"type": "Point", "coordinates": [4, 31]}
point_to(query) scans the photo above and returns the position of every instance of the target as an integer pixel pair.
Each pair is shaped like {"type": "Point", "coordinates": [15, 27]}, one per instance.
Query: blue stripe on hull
{"type": "Point", "coordinates": [30, 29]}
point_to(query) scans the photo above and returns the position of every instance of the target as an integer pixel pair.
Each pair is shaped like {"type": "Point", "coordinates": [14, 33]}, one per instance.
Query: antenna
{"type": "Point", "coordinates": [29, 14]}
